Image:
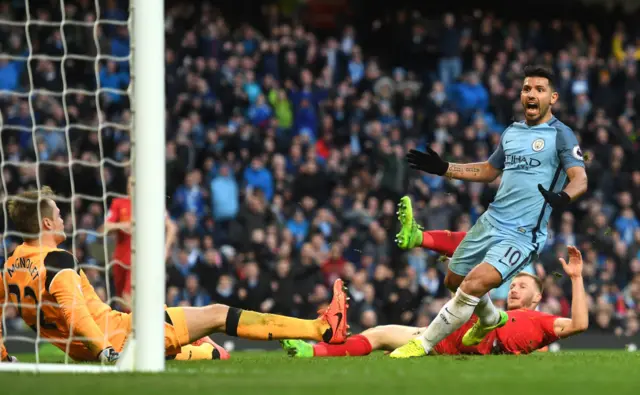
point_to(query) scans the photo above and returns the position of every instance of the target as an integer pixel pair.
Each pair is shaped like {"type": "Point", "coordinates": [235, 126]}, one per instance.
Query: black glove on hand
{"type": "Point", "coordinates": [556, 200]}
{"type": "Point", "coordinates": [429, 162]}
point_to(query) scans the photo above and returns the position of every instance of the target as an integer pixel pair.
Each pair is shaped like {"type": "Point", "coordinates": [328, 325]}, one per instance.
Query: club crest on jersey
{"type": "Point", "coordinates": [538, 145]}
{"type": "Point", "coordinates": [577, 153]}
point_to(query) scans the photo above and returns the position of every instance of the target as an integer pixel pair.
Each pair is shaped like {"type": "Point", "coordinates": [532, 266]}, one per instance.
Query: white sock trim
{"type": "Point", "coordinates": [487, 312]}
{"type": "Point", "coordinates": [462, 297]}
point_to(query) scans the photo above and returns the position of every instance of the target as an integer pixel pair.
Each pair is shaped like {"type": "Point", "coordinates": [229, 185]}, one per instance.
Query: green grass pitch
{"type": "Point", "coordinates": [263, 373]}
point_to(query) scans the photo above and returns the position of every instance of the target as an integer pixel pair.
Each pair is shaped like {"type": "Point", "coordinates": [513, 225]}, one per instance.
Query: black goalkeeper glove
{"type": "Point", "coordinates": [429, 162]}
{"type": "Point", "coordinates": [556, 200]}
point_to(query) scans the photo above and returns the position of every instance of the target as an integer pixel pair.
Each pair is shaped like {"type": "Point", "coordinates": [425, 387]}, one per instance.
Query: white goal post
{"type": "Point", "coordinates": [145, 349]}
{"type": "Point", "coordinates": [149, 186]}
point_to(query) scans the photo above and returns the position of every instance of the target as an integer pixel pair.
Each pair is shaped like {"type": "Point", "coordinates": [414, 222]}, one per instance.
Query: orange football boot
{"type": "Point", "coordinates": [336, 315]}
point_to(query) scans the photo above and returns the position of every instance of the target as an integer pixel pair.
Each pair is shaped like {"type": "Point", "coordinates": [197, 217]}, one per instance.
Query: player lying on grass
{"type": "Point", "coordinates": [525, 331]}
{"type": "Point", "coordinates": [39, 274]}
{"type": "Point", "coordinates": [201, 349]}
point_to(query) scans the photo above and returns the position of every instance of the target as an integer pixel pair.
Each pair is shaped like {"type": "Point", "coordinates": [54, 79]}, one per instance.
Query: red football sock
{"type": "Point", "coordinates": [355, 346]}
{"type": "Point", "coordinates": [443, 241]}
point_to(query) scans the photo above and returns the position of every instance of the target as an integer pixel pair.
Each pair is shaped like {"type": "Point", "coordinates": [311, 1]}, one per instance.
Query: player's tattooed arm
{"type": "Point", "coordinates": [478, 172]}
{"type": "Point", "coordinates": [577, 182]}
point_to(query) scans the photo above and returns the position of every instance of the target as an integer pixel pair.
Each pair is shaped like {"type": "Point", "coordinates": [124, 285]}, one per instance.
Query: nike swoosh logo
{"type": "Point", "coordinates": [339, 315]}
{"type": "Point", "coordinates": [453, 315]}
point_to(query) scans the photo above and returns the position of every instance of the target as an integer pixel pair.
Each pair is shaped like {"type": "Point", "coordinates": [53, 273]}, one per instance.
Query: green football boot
{"type": "Point", "coordinates": [477, 332]}
{"type": "Point", "coordinates": [297, 348]}
{"type": "Point", "coordinates": [410, 235]}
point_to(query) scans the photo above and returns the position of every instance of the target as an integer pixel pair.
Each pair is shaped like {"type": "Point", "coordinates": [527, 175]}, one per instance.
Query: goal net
{"type": "Point", "coordinates": [70, 78]}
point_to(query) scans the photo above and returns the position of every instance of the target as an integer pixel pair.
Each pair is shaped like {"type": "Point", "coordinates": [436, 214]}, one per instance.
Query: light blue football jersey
{"type": "Point", "coordinates": [528, 156]}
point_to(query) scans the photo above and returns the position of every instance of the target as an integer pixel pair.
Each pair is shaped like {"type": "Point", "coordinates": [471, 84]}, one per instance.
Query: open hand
{"type": "Point", "coordinates": [574, 267]}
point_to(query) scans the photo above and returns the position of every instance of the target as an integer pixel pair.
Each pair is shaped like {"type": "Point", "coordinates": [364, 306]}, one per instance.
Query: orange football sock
{"type": "Point", "coordinates": [203, 352]}
{"type": "Point", "coordinates": [260, 326]}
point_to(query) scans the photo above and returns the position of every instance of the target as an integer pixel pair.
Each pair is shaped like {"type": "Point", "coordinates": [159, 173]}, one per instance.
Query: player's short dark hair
{"type": "Point", "coordinates": [540, 71]}
{"type": "Point", "coordinates": [535, 278]}
{"type": "Point", "coordinates": [23, 211]}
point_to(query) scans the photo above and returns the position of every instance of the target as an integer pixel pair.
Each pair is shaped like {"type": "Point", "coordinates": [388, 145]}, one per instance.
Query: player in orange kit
{"type": "Point", "coordinates": [119, 221]}
{"type": "Point", "coordinates": [40, 276]}
{"type": "Point", "coordinates": [526, 330]}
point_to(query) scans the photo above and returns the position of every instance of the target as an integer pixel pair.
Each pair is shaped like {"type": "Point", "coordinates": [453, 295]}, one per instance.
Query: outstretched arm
{"type": "Point", "coordinates": [478, 172]}
{"type": "Point", "coordinates": [431, 162]}
{"type": "Point", "coordinates": [579, 321]}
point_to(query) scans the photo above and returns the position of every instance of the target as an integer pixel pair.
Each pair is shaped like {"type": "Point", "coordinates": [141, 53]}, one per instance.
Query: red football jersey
{"type": "Point", "coordinates": [120, 211]}
{"type": "Point", "coordinates": [452, 344]}
{"type": "Point", "coordinates": [525, 332]}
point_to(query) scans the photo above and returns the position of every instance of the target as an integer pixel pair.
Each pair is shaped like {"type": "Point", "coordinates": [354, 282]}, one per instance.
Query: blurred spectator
{"type": "Point", "coordinates": [225, 195]}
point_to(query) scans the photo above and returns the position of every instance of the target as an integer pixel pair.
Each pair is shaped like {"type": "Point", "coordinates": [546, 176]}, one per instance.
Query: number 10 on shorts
{"type": "Point", "coordinates": [511, 257]}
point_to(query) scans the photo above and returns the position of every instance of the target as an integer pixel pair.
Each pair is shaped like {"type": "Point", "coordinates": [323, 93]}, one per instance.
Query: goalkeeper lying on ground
{"type": "Point", "coordinates": [526, 330]}
{"type": "Point", "coordinates": [40, 274]}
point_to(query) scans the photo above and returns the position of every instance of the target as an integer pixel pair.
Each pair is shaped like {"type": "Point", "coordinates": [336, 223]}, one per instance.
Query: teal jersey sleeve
{"type": "Point", "coordinates": [568, 148]}
{"type": "Point", "coordinates": [497, 157]}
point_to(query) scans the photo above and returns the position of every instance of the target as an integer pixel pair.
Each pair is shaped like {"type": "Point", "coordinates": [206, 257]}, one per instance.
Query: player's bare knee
{"type": "Point", "coordinates": [216, 314]}
{"type": "Point", "coordinates": [474, 287]}
{"type": "Point", "coordinates": [375, 336]}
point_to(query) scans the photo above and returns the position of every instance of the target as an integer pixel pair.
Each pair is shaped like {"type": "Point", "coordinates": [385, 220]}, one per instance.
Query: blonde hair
{"type": "Point", "coordinates": [535, 278]}
{"type": "Point", "coordinates": [23, 211]}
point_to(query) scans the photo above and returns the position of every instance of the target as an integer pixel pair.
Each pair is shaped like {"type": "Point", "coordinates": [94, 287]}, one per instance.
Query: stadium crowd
{"type": "Point", "coordinates": [285, 150]}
